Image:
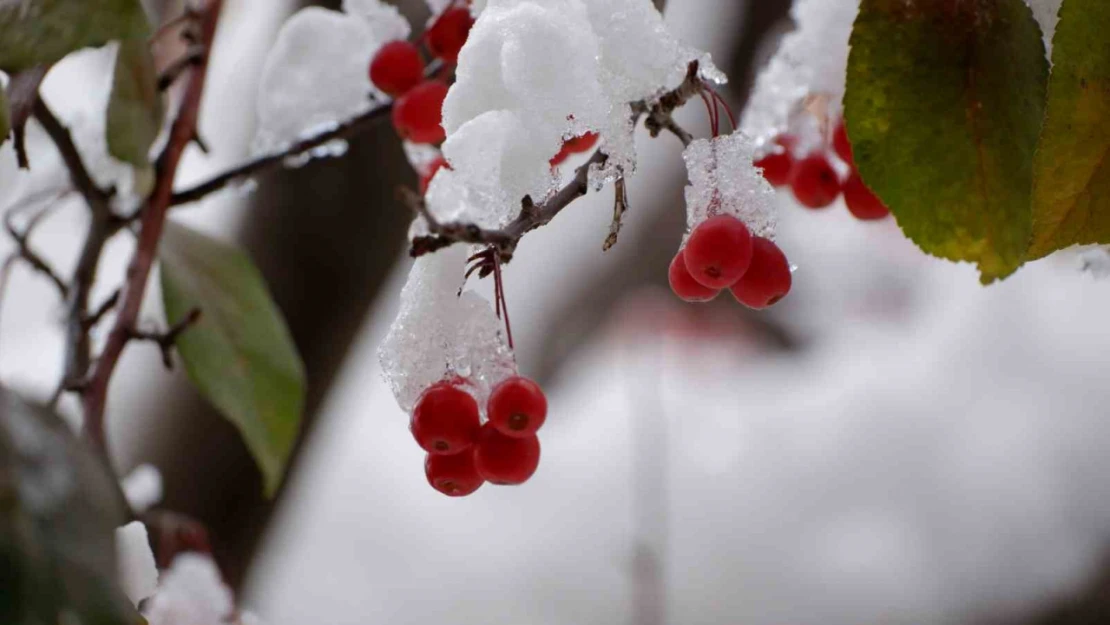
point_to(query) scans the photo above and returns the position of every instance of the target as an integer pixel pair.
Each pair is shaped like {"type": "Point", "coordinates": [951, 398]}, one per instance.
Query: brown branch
{"type": "Point", "coordinates": [262, 164]}
{"type": "Point", "coordinates": [102, 226]}
{"type": "Point", "coordinates": [28, 255]}
{"type": "Point", "coordinates": [152, 223]}
{"type": "Point", "coordinates": [166, 340]}
{"type": "Point", "coordinates": [620, 207]}
{"type": "Point", "coordinates": [505, 240]}
{"type": "Point", "coordinates": [343, 131]}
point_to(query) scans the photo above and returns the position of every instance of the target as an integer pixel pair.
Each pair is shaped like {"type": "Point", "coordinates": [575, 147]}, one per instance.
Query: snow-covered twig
{"type": "Point", "coordinates": [658, 118]}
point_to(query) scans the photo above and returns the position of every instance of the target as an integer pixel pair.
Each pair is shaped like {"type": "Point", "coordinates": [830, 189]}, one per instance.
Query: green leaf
{"type": "Point", "coordinates": [59, 508]}
{"type": "Point", "coordinates": [1071, 171]}
{"type": "Point", "coordinates": [944, 104]}
{"type": "Point", "coordinates": [5, 116]}
{"type": "Point", "coordinates": [240, 353]}
{"type": "Point", "coordinates": [135, 108]}
{"type": "Point", "coordinates": [34, 32]}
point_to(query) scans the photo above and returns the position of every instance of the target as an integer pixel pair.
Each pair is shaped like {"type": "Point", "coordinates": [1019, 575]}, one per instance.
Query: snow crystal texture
{"type": "Point", "coordinates": [723, 181]}
{"type": "Point", "coordinates": [315, 75]}
{"type": "Point", "coordinates": [440, 334]}
{"type": "Point", "coordinates": [535, 73]}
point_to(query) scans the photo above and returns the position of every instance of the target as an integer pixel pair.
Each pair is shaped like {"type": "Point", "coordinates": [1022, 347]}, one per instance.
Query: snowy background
{"type": "Point", "coordinates": [927, 451]}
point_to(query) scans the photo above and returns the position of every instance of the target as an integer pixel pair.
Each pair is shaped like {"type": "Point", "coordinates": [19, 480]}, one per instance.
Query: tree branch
{"type": "Point", "coordinates": [505, 240]}
{"type": "Point", "coordinates": [345, 130]}
{"type": "Point", "coordinates": [166, 340]}
{"type": "Point", "coordinates": [102, 226]}
{"type": "Point", "coordinates": [96, 197]}
{"type": "Point", "coordinates": [24, 251]}
{"type": "Point", "coordinates": [152, 223]}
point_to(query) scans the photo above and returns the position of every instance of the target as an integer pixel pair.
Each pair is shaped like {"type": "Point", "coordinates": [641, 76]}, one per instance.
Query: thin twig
{"type": "Point", "coordinates": [32, 258]}
{"type": "Point", "coordinates": [152, 223]}
{"type": "Point", "coordinates": [175, 69]}
{"type": "Point", "coordinates": [105, 307]}
{"type": "Point", "coordinates": [102, 226]}
{"type": "Point", "coordinates": [532, 216]}
{"type": "Point", "coordinates": [23, 92]}
{"type": "Point", "coordinates": [620, 207]}
{"type": "Point", "coordinates": [96, 197]}
{"type": "Point", "coordinates": [343, 131]}
{"type": "Point", "coordinates": [166, 340]}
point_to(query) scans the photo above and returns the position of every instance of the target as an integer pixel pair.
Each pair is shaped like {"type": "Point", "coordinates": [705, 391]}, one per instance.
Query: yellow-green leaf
{"type": "Point", "coordinates": [1071, 171]}
{"type": "Point", "coordinates": [240, 353]}
{"type": "Point", "coordinates": [944, 105]}
{"type": "Point", "coordinates": [35, 32]}
{"type": "Point", "coordinates": [135, 108]}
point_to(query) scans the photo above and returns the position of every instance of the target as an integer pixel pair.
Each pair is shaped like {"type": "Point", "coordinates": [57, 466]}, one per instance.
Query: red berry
{"type": "Point", "coordinates": [517, 407]}
{"type": "Point", "coordinates": [768, 279]}
{"type": "Point", "coordinates": [841, 144]}
{"type": "Point", "coordinates": [815, 182]}
{"type": "Point", "coordinates": [581, 143]}
{"type": "Point", "coordinates": [449, 32]}
{"type": "Point", "coordinates": [445, 420]}
{"type": "Point", "coordinates": [430, 172]}
{"type": "Point", "coordinates": [719, 251]}
{"type": "Point", "coordinates": [504, 459]}
{"type": "Point", "coordinates": [454, 476]}
{"type": "Point", "coordinates": [561, 156]}
{"type": "Point", "coordinates": [777, 165]}
{"type": "Point", "coordinates": [684, 285]}
{"type": "Point", "coordinates": [861, 201]}
{"type": "Point", "coordinates": [418, 113]}
{"type": "Point", "coordinates": [396, 68]}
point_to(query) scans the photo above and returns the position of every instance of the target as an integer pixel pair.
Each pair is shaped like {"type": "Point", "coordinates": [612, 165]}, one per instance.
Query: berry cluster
{"type": "Point", "coordinates": [815, 182]}
{"type": "Point", "coordinates": [398, 70]}
{"type": "Point", "coordinates": [463, 454]}
{"type": "Point", "coordinates": [721, 253]}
